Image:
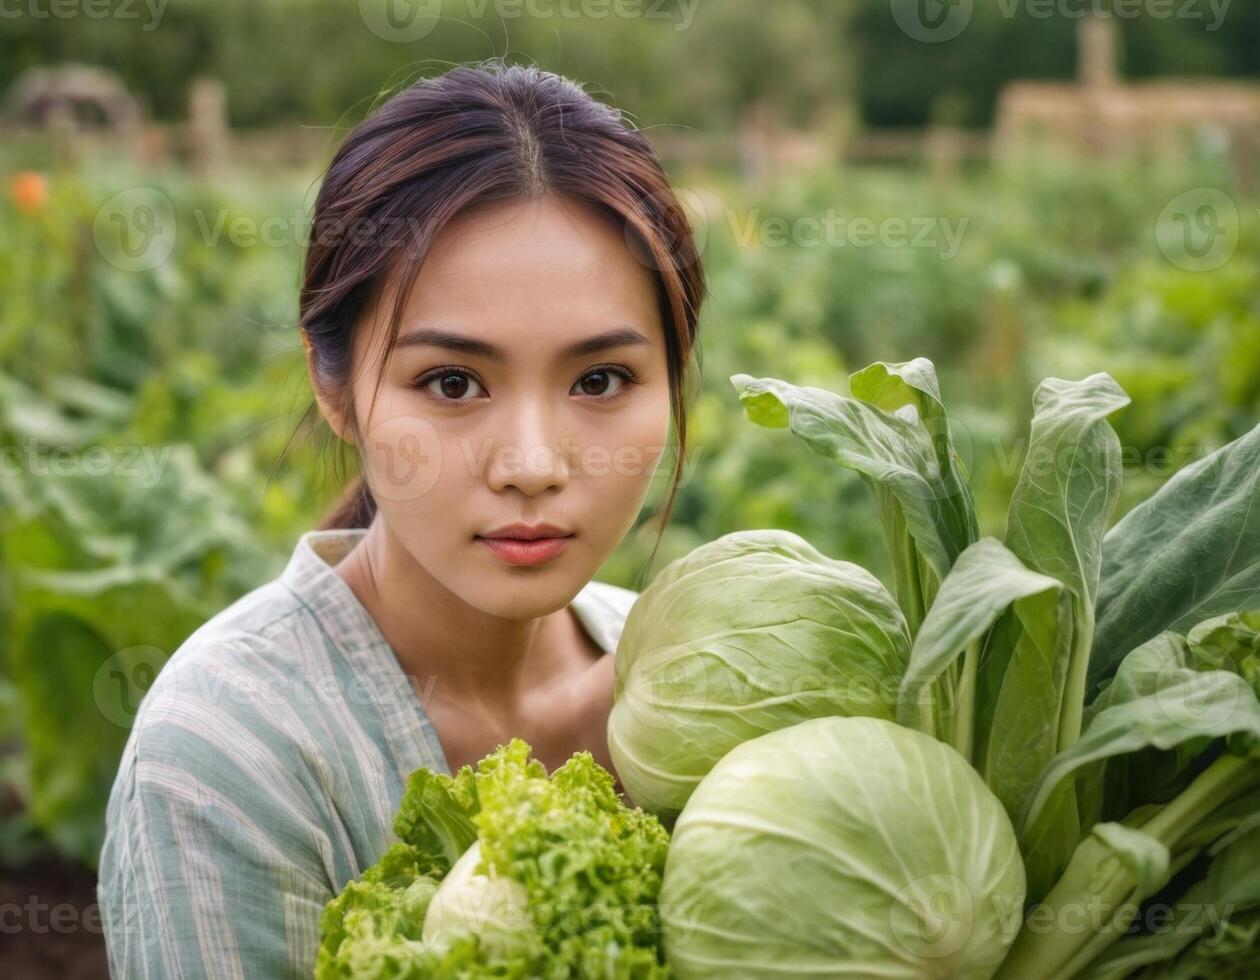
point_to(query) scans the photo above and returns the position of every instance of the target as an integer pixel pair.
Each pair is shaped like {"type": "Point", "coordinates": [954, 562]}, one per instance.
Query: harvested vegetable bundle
{"type": "Point", "coordinates": [1131, 805]}
{"type": "Point", "coordinates": [503, 871]}
{"type": "Point", "coordinates": [1128, 802]}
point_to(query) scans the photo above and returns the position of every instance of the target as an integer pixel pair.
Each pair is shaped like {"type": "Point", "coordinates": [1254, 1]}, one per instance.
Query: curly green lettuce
{"type": "Point", "coordinates": [562, 881]}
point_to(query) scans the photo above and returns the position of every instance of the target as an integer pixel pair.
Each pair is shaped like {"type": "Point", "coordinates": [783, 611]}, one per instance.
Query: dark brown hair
{"type": "Point", "coordinates": [474, 134]}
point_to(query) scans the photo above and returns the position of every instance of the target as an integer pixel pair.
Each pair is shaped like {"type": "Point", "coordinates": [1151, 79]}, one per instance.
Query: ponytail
{"type": "Point", "coordinates": [356, 508]}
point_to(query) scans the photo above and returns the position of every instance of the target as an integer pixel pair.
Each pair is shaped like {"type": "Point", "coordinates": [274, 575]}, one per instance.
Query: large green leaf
{"type": "Point", "coordinates": [1067, 489]}
{"type": "Point", "coordinates": [1190, 552]}
{"type": "Point", "coordinates": [894, 387]}
{"type": "Point", "coordinates": [926, 518]}
{"type": "Point", "coordinates": [1158, 698]}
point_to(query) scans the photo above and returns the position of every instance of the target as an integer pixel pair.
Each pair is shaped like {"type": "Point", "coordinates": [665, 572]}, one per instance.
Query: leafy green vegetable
{"type": "Point", "coordinates": [841, 847]}
{"type": "Point", "coordinates": [1190, 552]}
{"type": "Point", "coordinates": [1117, 803]}
{"type": "Point", "coordinates": [895, 434]}
{"type": "Point", "coordinates": [1067, 490]}
{"type": "Point", "coordinates": [503, 871]}
{"type": "Point", "coordinates": [1212, 930]}
{"type": "Point", "coordinates": [986, 581]}
{"type": "Point", "coordinates": [749, 633]}
{"type": "Point", "coordinates": [756, 683]}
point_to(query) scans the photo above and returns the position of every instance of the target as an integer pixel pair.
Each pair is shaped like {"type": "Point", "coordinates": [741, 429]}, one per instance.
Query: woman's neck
{"type": "Point", "coordinates": [451, 649]}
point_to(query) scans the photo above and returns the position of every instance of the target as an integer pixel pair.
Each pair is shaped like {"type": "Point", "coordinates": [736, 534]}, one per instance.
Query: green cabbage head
{"type": "Point", "coordinates": [747, 634]}
{"type": "Point", "coordinates": [842, 847]}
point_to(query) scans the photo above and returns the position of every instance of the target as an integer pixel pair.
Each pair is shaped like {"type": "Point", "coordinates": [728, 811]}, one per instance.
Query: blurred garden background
{"type": "Point", "coordinates": [1012, 188]}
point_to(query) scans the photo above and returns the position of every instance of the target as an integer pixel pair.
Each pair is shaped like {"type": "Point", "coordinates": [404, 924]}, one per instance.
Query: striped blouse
{"type": "Point", "coordinates": [263, 771]}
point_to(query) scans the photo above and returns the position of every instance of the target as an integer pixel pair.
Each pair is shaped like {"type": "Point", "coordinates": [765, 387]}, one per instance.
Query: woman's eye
{"type": "Point", "coordinates": [451, 386]}
{"type": "Point", "coordinates": [596, 383]}
{"type": "Point", "coordinates": [602, 384]}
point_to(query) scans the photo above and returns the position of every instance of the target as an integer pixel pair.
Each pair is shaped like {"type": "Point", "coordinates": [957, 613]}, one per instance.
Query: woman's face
{"type": "Point", "coordinates": [489, 413]}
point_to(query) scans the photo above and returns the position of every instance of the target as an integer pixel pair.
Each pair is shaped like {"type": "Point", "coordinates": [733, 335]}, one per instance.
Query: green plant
{"type": "Point", "coordinates": [841, 847]}
{"type": "Point", "coordinates": [1112, 798]}
{"type": "Point", "coordinates": [503, 871]}
{"type": "Point", "coordinates": [746, 634]}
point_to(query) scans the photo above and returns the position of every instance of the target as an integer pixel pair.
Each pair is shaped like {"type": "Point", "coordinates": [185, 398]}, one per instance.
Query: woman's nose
{"type": "Point", "coordinates": [532, 453]}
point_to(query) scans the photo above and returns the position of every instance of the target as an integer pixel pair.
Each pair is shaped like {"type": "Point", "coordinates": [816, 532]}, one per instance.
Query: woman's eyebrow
{"type": "Point", "coordinates": [433, 337]}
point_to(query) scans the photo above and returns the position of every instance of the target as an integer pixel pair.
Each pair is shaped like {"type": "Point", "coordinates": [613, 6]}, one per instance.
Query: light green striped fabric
{"type": "Point", "coordinates": [262, 773]}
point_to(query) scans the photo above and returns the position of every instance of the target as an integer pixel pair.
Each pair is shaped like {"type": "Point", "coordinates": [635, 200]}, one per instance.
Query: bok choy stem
{"type": "Point", "coordinates": [1073, 704]}
{"type": "Point", "coordinates": [965, 702]}
{"type": "Point", "coordinates": [1110, 887]}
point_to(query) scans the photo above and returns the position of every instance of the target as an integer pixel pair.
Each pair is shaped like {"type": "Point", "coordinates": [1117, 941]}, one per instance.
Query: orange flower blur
{"type": "Point", "coordinates": [29, 191]}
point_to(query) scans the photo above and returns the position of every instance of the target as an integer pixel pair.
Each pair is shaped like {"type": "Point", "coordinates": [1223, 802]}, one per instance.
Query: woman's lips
{"type": "Point", "coordinates": [517, 551]}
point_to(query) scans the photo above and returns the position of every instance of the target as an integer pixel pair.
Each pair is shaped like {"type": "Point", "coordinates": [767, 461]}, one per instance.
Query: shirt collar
{"type": "Point", "coordinates": [311, 576]}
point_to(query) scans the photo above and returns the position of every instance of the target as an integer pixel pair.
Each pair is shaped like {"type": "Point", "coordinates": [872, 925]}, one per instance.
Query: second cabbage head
{"type": "Point", "coordinates": [745, 635]}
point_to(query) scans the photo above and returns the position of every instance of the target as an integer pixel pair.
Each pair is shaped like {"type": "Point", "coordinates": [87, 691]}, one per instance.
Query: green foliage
{"type": "Point", "coordinates": [589, 870]}
{"type": "Point", "coordinates": [999, 664]}
{"type": "Point", "coordinates": [134, 503]}
{"type": "Point", "coordinates": [107, 578]}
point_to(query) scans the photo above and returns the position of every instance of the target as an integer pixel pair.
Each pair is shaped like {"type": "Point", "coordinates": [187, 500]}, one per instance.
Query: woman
{"type": "Point", "coordinates": [499, 309]}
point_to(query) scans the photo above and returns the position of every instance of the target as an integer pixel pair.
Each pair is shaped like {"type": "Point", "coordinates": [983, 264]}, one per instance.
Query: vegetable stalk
{"type": "Point", "coordinates": [1052, 954]}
